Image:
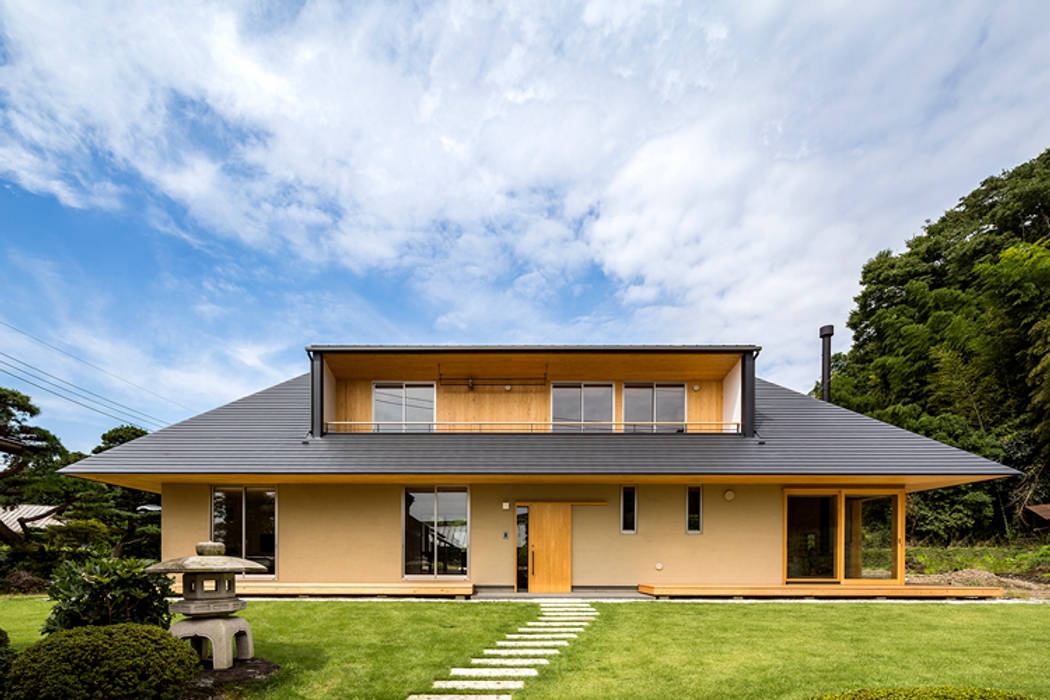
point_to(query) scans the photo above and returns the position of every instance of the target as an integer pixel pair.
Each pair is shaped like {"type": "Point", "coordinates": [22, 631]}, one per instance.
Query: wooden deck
{"type": "Point", "coordinates": [661, 590]}
{"type": "Point", "coordinates": [399, 588]}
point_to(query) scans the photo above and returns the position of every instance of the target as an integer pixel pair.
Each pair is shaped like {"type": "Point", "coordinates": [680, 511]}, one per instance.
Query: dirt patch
{"type": "Point", "coordinates": [210, 683]}
{"type": "Point", "coordinates": [1026, 585]}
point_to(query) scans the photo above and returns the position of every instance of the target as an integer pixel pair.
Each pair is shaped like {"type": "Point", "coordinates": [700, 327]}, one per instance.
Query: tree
{"type": "Point", "coordinates": [952, 340]}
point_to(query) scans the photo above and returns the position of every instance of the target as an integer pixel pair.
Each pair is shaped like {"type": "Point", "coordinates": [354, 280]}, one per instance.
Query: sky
{"type": "Point", "coordinates": [190, 193]}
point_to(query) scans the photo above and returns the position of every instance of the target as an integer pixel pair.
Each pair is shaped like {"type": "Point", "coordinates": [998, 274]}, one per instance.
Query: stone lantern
{"type": "Point", "coordinates": [209, 599]}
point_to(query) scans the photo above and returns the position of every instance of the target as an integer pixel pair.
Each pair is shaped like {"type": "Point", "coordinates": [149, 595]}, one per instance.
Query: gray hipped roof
{"type": "Point", "coordinates": [266, 433]}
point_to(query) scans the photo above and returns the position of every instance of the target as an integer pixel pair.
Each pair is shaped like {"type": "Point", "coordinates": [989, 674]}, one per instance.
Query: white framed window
{"type": "Point", "coordinates": [244, 518]}
{"type": "Point", "coordinates": [436, 531]}
{"type": "Point", "coordinates": [403, 407]}
{"type": "Point", "coordinates": [575, 404]}
{"type": "Point", "coordinates": [628, 510]}
{"type": "Point", "coordinates": [694, 510]}
{"type": "Point", "coordinates": [652, 402]}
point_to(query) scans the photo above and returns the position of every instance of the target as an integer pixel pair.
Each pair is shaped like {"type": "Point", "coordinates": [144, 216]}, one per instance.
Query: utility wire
{"type": "Point", "coordinates": [123, 408]}
{"type": "Point", "coordinates": [89, 364]}
{"type": "Point", "coordinates": [121, 414]}
{"type": "Point", "coordinates": [92, 408]}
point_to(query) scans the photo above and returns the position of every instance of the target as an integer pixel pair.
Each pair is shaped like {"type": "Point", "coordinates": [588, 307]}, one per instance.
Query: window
{"type": "Point", "coordinates": [582, 404]}
{"type": "Point", "coordinates": [694, 523]}
{"type": "Point", "coordinates": [245, 520]}
{"type": "Point", "coordinates": [402, 407]}
{"type": "Point", "coordinates": [436, 531]}
{"type": "Point", "coordinates": [654, 403]}
{"type": "Point", "coordinates": [628, 510]}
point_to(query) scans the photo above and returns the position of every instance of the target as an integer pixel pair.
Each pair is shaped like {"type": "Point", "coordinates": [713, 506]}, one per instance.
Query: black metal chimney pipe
{"type": "Point", "coordinates": [825, 362]}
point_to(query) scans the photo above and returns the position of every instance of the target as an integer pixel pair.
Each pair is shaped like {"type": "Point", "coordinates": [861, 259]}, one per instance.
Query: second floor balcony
{"type": "Point", "coordinates": [532, 427]}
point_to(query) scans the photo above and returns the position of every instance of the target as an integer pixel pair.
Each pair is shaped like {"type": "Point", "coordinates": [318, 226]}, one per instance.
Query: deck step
{"type": "Point", "coordinates": [510, 662]}
{"type": "Point", "coordinates": [521, 652]}
{"type": "Point", "coordinates": [493, 672]}
{"type": "Point", "coordinates": [479, 685]}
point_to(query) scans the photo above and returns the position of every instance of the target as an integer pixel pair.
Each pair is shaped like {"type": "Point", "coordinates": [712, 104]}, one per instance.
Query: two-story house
{"type": "Point", "coordinates": [442, 470]}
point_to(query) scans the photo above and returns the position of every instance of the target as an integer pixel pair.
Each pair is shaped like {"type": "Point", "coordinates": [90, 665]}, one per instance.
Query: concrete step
{"type": "Point", "coordinates": [534, 643]}
{"type": "Point", "coordinates": [545, 635]}
{"type": "Point", "coordinates": [493, 672]}
{"type": "Point", "coordinates": [479, 685]}
{"type": "Point", "coordinates": [521, 652]}
{"type": "Point", "coordinates": [510, 662]}
{"type": "Point", "coordinates": [557, 624]}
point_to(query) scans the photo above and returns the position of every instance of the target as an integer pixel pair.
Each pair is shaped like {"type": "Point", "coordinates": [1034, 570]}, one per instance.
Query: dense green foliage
{"type": "Point", "coordinates": [99, 519]}
{"type": "Point", "coordinates": [938, 693]}
{"type": "Point", "coordinates": [117, 661]}
{"type": "Point", "coordinates": [1000, 560]}
{"type": "Point", "coordinates": [952, 340]}
{"type": "Point", "coordinates": [7, 656]}
{"type": "Point", "coordinates": [106, 592]}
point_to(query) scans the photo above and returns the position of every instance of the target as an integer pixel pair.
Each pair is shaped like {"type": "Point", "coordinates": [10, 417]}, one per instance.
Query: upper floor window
{"type": "Point", "coordinates": [403, 407]}
{"type": "Point", "coordinates": [575, 405]}
{"type": "Point", "coordinates": [654, 403]}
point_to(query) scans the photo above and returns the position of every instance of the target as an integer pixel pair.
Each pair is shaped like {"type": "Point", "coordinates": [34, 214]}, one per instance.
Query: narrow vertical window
{"type": "Point", "coordinates": [693, 517]}
{"type": "Point", "coordinates": [628, 510]}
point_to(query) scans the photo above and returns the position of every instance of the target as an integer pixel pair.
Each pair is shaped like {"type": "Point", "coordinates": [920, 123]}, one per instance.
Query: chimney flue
{"type": "Point", "coordinates": [825, 362]}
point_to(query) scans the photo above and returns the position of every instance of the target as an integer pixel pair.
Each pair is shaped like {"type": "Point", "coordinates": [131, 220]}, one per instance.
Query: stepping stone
{"type": "Point", "coordinates": [534, 643]}
{"type": "Point", "coordinates": [567, 613]}
{"type": "Point", "coordinates": [479, 685]}
{"type": "Point", "coordinates": [472, 696]}
{"type": "Point", "coordinates": [521, 652]}
{"type": "Point", "coordinates": [556, 624]}
{"type": "Point", "coordinates": [568, 619]}
{"type": "Point", "coordinates": [565, 635]}
{"type": "Point", "coordinates": [567, 607]}
{"type": "Point", "coordinates": [494, 672]}
{"type": "Point", "coordinates": [550, 629]}
{"type": "Point", "coordinates": [510, 662]}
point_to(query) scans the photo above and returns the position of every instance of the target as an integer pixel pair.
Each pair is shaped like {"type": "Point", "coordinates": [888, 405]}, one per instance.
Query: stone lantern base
{"type": "Point", "coordinates": [222, 632]}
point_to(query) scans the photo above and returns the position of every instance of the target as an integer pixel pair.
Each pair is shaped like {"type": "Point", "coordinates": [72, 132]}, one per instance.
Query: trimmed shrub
{"type": "Point", "coordinates": [7, 655]}
{"type": "Point", "coordinates": [930, 693]}
{"type": "Point", "coordinates": [114, 662]}
{"type": "Point", "coordinates": [25, 582]}
{"type": "Point", "coordinates": [106, 592]}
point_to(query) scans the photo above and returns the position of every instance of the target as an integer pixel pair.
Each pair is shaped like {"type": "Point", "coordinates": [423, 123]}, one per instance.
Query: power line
{"type": "Point", "coordinates": [89, 364]}
{"type": "Point", "coordinates": [50, 391]}
{"type": "Point", "coordinates": [122, 408]}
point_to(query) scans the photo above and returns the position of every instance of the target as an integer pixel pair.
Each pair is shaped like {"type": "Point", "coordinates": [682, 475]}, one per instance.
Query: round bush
{"type": "Point", "coordinates": [114, 662]}
{"type": "Point", "coordinates": [930, 693]}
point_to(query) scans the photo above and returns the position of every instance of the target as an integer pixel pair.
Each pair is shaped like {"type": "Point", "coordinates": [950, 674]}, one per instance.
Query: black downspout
{"type": "Point", "coordinates": [747, 389]}
{"type": "Point", "coordinates": [825, 362]}
{"type": "Point", "coordinates": [317, 394]}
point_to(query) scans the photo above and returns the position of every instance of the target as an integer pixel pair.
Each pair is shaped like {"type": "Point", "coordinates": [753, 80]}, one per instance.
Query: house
{"type": "Point", "coordinates": [671, 470]}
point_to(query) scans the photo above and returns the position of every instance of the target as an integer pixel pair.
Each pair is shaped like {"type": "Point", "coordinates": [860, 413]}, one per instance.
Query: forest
{"type": "Point", "coordinates": [951, 339]}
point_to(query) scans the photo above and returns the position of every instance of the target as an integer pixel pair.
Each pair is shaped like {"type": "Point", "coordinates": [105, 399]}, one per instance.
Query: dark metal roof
{"type": "Point", "coordinates": [266, 433]}
{"type": "Point", "coordinates": [533, 348]}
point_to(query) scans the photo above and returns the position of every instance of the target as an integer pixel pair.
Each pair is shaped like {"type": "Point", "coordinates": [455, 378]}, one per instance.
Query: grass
{"type": "Point", "coordinates": [639, 650]}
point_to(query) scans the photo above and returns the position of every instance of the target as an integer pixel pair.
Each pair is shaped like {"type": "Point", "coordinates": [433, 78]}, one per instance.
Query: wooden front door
{"type": "Point", "coordinates": [550, 547]}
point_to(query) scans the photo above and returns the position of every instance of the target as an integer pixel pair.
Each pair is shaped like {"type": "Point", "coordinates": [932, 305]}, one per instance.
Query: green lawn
{"type": "Point", "coordinates": [639, 650]}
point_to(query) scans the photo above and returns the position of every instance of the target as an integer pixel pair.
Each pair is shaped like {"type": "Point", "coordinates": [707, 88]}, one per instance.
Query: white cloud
{"type": "Point", "coordinates": [728, 167]}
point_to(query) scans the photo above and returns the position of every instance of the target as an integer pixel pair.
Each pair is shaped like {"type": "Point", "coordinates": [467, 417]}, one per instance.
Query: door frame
{"type": "Point", "coordinates": [543, 501]}
{"type": "Point", "coordinates": [840, 534]}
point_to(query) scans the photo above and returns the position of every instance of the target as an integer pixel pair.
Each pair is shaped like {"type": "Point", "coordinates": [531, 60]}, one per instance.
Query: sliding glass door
{"type": "Point", "coordinates": [850, 536]}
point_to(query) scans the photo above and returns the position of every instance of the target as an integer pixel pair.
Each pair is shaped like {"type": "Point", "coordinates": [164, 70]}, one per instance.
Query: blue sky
{"type": "Point", "coordinates": [192, 192]}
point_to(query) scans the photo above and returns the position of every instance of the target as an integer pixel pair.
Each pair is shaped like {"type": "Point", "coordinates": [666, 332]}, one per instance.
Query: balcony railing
{"type": "Point", "coordinates": [662, 427]}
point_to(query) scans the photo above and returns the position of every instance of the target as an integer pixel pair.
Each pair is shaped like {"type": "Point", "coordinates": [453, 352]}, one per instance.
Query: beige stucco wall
{"type": "Point", "coordinates": [352, 533]}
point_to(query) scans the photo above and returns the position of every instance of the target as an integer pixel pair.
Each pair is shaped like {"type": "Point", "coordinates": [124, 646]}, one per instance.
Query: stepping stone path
{"type": "Point", "coordinates": [518, 657]}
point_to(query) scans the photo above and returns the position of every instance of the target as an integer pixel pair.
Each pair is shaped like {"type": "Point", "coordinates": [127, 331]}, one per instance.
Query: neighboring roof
{"type": "Point", "coordinates": [11, 446]}
{"type": "Point", "coordinates": [9, 516]}
{"type": "Point", "coordinates": [1042, 510]}
{"type": "Point", "coordinates": [266, 433]}
{"type": "Point", "coordinates": [533, 348]}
